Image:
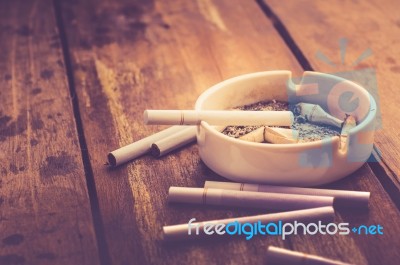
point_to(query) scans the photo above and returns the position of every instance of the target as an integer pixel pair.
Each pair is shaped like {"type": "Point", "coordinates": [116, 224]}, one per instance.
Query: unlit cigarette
{"type": "Point", "coordinates": [342, 198]}
{"type": "Point", "coordinates": [174, 141]}
{"type": "Point", "coordinates": [141, 147]}
{"type": "Point", "coordinates": [279, 256]}
{"type": "Point", "coordinates": [218, 117]}
{"type": "Point", "coordinates": [323, 214]}
{"type": "Point", "coordinates": [315, 114]}
{"type": "Point", "coordinates": [249, 199]}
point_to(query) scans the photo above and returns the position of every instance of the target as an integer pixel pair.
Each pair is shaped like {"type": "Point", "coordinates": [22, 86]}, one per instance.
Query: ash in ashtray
{"type": "Point", "coordinates": [307, 131]}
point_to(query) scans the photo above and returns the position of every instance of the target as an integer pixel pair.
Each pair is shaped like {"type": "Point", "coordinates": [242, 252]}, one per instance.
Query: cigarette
{"type": "Point", "coordinates": [278, 256]}
{"type": "Point", "coordinates": [174, 141]}
{"type": "Point", "coordinates": [271, 135]}
{"type": "Point", "coordinates": [280, 135]}
{"type": "Point", "coordinates": [316, 114]}
{"type": "Point", "coordinates": [348, 124]}
{"type": "Point", "coordinates": [342, 198]}
{"type": "Point", "coordinates": [256, 136]}
{"type": "Point", "coordinates": [218, 117]}
{"type": "Point", "coordinates": [141, 147]}
{"type": "Point", "coordinates": [247, 199]}
{"type": "Point", "coordinates": [323, 214]}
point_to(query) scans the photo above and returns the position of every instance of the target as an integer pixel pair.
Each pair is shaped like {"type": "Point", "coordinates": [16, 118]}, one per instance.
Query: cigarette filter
{"type": "Point", "coordinates": [141, 147]}
{"type": "Point", "coordinates": [278, 256]}
{"type": "Point", "coordinates": [218, 117]}
{"type": "Point", "coordinates": [323, 214]}
{"type": "Point", "coordinates": [271, 135]}
{"type": "Point", "coordinates": [280, 135]}
{"type": "Point", "coordinates": [174, 141]}
{"type": "Point", "coordinates": [316, 114]}
{"type": "Point", "coordinates": [256, 136]}
{"type": "Point", "coordinates": [342, 198]}
{"type": "Point", "coordinates": [249, 199]}
{"type": "Point", "coordinates": [348, 124]}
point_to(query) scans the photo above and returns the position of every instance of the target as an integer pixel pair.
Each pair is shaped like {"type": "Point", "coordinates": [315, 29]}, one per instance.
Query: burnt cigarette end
{"type": "Point", "coordinates": [155, 151]}
{"type": "Point", "coordinates": [111, 160]}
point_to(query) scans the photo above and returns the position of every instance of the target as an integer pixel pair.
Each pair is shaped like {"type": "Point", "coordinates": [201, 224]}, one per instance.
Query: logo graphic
{"type": "Point", "coordinates": [348, 102]}
{"type": "Point", "coordinates": [279, 228]}
{"type": "Point", "coordinates": [335, 94]}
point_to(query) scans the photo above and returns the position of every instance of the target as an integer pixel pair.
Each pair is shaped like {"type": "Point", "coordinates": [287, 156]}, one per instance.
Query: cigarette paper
{"type": "Point", "coordinates": [316, 114]}
{"type": "Point", "coordinates": [218, 117]}
{"type": "Point", "coordinates": [278, 256]}
{"type": "Point", "coordinates": [280, 135]}
{"type": "Point", "coordinates": [249, 199]}
{"type": "Point", "coordinates": [323, 214]}
{"type": "Point", "coordinates": [348, 124]}
{"type": "Point", "coordinates": [141, 147]}
{"type": "Point", "coordinates": [342, 198]}
{"type": "Point", "coordinates": [256, 136]}
{"type": "Point", "coordinates": [174, 141]}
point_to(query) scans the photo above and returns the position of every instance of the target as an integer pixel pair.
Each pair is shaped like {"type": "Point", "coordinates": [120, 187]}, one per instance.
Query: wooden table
{"type": "Point", "coordinates": [75, 77]}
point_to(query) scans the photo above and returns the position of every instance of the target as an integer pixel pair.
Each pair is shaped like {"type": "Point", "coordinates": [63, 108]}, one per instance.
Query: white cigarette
{"type": "Point", "coordinates": [323, 214]}
{"type": "Point", "coordinates": [218, 117]}
{"type": "Point", "coordinates": [141, 147]}
{"type": "Point", "coordinates": [249, 199]}
{"type": "Point", "coordinates": [174, 141]}
{"type": "Point", "coordinates": [342, 198]}
{"type": "Point", "coordinates": [280, 256]}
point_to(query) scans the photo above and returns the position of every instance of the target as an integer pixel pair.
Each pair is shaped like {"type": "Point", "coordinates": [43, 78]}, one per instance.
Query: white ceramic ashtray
{"type": "Point", "coordinates": [301, 164]}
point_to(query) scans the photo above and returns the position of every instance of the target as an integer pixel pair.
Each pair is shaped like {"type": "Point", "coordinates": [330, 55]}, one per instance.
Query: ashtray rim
{"type": "Point", "coordinates": [292, 146]}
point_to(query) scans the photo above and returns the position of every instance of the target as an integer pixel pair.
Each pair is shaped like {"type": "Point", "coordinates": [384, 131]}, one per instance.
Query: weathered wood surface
{"type": "Point", "coordinates": [128, 56]}
{"type": "Point", "coordinates": [45, 215]}
{"type": "Point", "coordinates": [373, 25]}
{"type": "Point", "coordinates": [131, 55]}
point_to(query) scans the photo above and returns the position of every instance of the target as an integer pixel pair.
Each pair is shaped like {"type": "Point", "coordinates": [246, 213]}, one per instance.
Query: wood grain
{"type": "Point", "coordinates": [128, 56]}
{"type": "Point", "coordinates": [373, 25]}
{"type": "Point", "coordinates": [45, 215]}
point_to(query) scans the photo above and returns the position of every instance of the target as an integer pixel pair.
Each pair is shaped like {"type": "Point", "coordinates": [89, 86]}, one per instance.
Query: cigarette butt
{"type": "Point", "coordinates": [278, 256]}
{"type": "Point", "coordinates": [181, 231]}
{"type": "Point", "coordinates": [348, 124]}
{"type": "Point", "coordinates": [280, 135]}
{"type": "Point", "coordinates": [315, 114]}
{"type": "Point", "coordinates": [272, 135]}
{"type": "Point", "coordinates": [141, 147]}
{"type": "Point", "coordinates": [218, 117]}
{"type": "Point", "coordinates": [174, 141]}
{"type": "Point", "coordinates": [256, 136]}
{"type": "Point", "coordinates": [247, 199]}
{"type": "Point", "coordinates": [342, 198]}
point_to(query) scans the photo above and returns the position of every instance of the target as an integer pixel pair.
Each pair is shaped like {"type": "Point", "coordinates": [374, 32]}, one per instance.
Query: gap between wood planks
{"type": "Point", "coordinates": [284, 33]}
{"type": "Point", "coordinates": [91, 187]}
{"type": "Point", "coordinates": [379, 169]}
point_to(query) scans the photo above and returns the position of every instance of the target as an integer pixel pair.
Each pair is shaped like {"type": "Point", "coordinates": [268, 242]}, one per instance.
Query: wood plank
{"type": "Point", "coordinates": [366, 24]}
{"type": "Point", "coordinates": [128, 56]}
{"type": "Point", "coordinates": [45, 215]}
